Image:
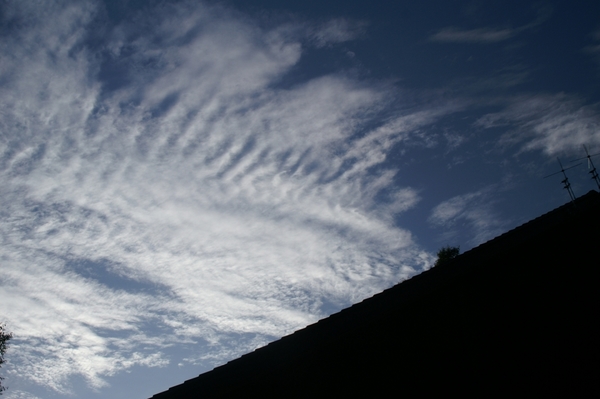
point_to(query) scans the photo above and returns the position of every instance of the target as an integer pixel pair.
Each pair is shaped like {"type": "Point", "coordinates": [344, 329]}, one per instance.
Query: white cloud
{"type": "Point", "coordinates": [482, 35]}
{"type": "Point", "coordinates": [188, 192]}
{"type": "Point", "coordinates": [550, 123]}
{"type": "Point", "coordinates": [487, 34]}
{"type": "Point", "coordinates": [337, 30]}
{"type": "Point", "coordinates": [18, 394]}
{"type": "Point", "coordinates": [474, 211]}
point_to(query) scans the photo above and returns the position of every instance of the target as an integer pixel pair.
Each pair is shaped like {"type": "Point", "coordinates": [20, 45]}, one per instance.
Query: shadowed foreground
{"type": "Point", "coordinates": [516, 315]}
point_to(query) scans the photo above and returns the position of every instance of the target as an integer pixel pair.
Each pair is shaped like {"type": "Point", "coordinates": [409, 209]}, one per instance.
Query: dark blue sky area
{"type": "Point", "coordinates": [547, 41]}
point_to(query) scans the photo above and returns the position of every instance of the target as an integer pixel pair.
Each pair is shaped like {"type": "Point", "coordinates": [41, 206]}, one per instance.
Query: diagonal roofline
{"type": "Point", "coordinates": [404, 296]}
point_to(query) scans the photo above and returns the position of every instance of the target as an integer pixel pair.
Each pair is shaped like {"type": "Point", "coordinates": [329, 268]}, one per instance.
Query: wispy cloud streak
{"type": "Point", "coordinates": [487, 35]}
{"type": "Point", "coordinates": [482, 35]}
{"type": "Point", "coordinates": [553, 124]}
{"type": "Point", "coordinates": [474, 211]}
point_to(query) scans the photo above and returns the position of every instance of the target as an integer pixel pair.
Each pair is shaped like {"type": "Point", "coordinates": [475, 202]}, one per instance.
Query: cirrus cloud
{"type": "Point", "coordinates": [162, 177]}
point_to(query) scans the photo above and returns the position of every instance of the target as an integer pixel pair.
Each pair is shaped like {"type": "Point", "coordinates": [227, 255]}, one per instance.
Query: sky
{"type": "Point", "coordinates": [183, 182]}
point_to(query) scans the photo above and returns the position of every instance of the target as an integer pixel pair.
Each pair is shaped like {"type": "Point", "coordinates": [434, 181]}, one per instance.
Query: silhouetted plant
{"type": "Point", "coordinates": [446, 253]}
{"type": "Point", "coordinates": [4, 338]}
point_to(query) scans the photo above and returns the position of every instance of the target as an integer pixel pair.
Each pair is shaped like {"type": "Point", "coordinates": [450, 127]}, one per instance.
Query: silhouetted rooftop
{"type": "Point", "coordinates": [515, 315]}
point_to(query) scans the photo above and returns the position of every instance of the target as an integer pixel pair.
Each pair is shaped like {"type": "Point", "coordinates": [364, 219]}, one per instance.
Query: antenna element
{"type": "Point", "coordinates": [565, 182]}
{"type": "Point", "coordinates": [591, 167]}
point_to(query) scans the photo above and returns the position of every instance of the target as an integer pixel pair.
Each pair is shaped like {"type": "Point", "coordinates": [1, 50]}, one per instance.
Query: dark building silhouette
{"type": "Point", "coordinates": [515, 316]}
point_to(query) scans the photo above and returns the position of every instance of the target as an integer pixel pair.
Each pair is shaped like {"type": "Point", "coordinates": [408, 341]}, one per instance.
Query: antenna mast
{"type": "Point", "coordinates": [591, 167]}
{"type": "Point", "coordinates": [565, 182]}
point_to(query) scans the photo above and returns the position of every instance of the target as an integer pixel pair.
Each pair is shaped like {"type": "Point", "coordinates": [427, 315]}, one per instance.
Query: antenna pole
{"type": "Point", "coordinates": [592, 168]}
{"type": "Point", "coordinates": [565, 182]}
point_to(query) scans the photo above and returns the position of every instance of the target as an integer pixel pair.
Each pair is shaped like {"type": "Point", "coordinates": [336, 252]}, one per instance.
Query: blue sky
{"type": "Point", "coordinates": [184, 182]}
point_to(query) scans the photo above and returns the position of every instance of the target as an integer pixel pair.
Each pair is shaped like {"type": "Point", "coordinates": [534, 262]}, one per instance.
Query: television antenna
{"type": "Point", "coordinates": [591, 167]}
{"type": "Point", "coordinates": [565, 182]}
